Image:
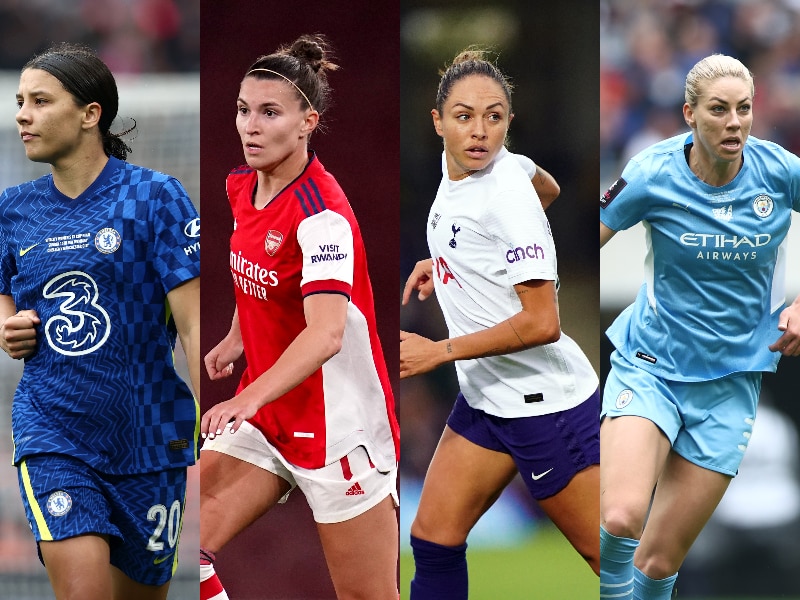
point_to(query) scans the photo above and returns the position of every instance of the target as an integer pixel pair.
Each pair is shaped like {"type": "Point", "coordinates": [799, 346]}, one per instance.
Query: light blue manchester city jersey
{"type": "Point", "coordinates": [101, 386]}
{"type": "Point", "coordinates": [715, 264]}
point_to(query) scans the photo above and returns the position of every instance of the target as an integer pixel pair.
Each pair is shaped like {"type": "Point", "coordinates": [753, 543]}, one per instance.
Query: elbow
{"type": "Point", "coordinates": [552, 334]}
{"type": "Point", "coordinates": [332, 343]}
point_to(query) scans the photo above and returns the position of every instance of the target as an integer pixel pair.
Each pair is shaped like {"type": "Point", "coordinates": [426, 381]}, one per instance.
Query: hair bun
{"type": "Point", "coordinates": [310, 51]}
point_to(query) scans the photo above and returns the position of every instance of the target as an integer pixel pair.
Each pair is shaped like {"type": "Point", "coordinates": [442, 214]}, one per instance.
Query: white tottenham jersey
{"type": "Point", "coordinates": [487, 233]}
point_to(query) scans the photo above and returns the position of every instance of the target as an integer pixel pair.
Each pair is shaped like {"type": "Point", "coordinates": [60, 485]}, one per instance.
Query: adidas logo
{"type": "Point", "coordinates": [355, 490]}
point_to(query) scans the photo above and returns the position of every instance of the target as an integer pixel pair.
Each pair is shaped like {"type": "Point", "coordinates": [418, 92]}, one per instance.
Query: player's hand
{"type": "Point", "coordinates": [219, 361]}
{"type": "Point", "coordinates": [236, 410]}
{"type": "Point", "coordinates": [788, 344]}
{"type": "Point", "coordinates": [421, 279]}
{"type": "Point", "coordinates": [18, 334]}
{"type": "Point", "coordinates": [418, 354]}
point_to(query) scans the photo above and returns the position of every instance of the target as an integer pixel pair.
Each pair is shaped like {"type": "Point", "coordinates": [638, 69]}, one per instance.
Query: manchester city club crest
{"type": "Point", "coordinates": [624, 398]}
{"type": "Point", "coordinates": [59, 503]}
{"type": "Point", "coordinates": [107, 240]}
{"type": "Point", "coordinates": [763, 205]}
{"type": "Point", "coordinates": [273, 241]}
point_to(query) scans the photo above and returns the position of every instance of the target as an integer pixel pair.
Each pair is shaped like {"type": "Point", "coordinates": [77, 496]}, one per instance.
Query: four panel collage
{"type": "Point", "coordinates": [412, 368]}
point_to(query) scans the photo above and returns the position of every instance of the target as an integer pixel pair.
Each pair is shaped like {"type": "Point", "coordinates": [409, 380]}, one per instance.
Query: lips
{"type": "Point", "coordinates": [477, 152]}
{"type": "Point", "coordinates": [731, 143]}
{"type": "Point", "coordinates": [26, 135]}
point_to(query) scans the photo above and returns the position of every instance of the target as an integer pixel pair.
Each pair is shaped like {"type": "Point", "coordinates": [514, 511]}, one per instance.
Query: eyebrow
{"type": "Point", "coordinates": [263, 105]}
{"type": "Point", "coordinates": [721, 101]}
{"type": "Point", "coordinates": [35, 93]}
{"type": "Point", "coordinates": [468, 107]}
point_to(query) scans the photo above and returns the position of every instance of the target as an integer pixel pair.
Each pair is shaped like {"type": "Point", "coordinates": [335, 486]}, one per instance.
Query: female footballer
{"type": "Point", "coordinates": [680, 400]}
{"type": "Point", "coordinates": [529, 400]}
{"type": "Point", "coordinates": [314, 408]}
{"type": "Point", "coordinates": [95, 280]}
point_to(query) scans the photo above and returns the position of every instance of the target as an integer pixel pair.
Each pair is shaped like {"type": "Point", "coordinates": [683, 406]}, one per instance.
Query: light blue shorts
{"type": "Point", "coordinates": [709, 423]}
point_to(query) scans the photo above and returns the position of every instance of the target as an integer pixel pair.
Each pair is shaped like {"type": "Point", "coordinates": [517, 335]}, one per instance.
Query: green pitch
{"type": "Point", "coordinates": [545, 568]}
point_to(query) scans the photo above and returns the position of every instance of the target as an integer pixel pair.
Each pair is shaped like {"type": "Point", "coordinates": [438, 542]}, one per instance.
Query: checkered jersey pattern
{"type": "Point", "coordinates": [102, 386]}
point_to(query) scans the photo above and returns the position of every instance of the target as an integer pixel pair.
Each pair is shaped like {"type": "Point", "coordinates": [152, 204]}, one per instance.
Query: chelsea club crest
{"type": "Point", "coordinates": [107, 240]}
{"type": "Point", "coordinates": [59, 503]}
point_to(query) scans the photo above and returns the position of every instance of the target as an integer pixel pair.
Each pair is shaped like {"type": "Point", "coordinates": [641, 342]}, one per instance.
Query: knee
{"type": "Point", "coordinates": [623, 521]}
{"type": "Point", "coordinates": [656, 565]}
{"type": "Point", "coordinates": [438, 532]}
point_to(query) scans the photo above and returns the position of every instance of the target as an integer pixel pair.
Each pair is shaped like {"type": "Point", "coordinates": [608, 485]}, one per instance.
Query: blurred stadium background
{"type": "Point", "coordinates": [152, 47]}
{"type": "Point", "coordinates": [550, 53]}
{"type": "Point", "coordinates": [751, 547]}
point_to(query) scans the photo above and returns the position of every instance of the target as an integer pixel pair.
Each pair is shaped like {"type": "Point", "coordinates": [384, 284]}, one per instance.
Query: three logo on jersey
{"type": "Point", "coordinates": [81, 324]}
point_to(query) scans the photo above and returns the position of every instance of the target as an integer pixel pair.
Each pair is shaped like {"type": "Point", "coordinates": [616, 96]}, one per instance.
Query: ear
{"type": "Point", "coordinates": [310, 122]}
{"type": "Point", "coordinates": [688, 116]}
{"type": "Point", "coordinates": [437, 122]}
{"type": "Point", "coordinates": [91, 115]}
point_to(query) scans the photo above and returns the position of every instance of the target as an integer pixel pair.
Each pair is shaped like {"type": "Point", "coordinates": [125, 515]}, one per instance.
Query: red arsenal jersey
{"type": "Point", "coordinates": [307, 241]}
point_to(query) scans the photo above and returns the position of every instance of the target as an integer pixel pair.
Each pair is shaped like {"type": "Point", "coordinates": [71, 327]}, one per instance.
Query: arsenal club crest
{"type": "Point", "coordinates": [273, 241]}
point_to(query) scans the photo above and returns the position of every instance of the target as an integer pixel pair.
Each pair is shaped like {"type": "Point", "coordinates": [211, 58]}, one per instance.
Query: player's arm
{"type": "Point", "coordinates": [17, 329]}
{"type": "Point", "coordinates": [606, 233]}
{"type": "Point", "coordinates": [326, 315]}
{"type": "Point", "coordinates": [535, 325]}
{"type": "Point", "coordinates": [184, 301]}
{"type": "Point", "coordinates": [219, 361]}
{"type": "Point", "coordinates": [788, 343]}
{"type": "Point", "coordinates": [546, 187]}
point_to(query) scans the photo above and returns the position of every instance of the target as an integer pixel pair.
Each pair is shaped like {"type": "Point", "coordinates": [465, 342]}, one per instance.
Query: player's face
{"type": "Point", "coordinates": [51, 124]}
{"type": "Point", "coordinates": [271, 123]}
{"type": "Point", "coordinates": [473, 123]}
{"type": "Point", "coordinates": [722, 119]}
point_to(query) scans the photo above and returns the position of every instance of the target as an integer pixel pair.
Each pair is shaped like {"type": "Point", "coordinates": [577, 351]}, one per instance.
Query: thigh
{"type": "Point", "coordinates": [462, 482]}
{"type": "Point", "coordinates": [685, 498]}
{"type": "Point", "coordinates": [633, 451]}
{"type": "Point", "coordinates": [233, 494]}
{"type": "Point", "coordinates": [362, 553]}
{"type": "Point", "coordinates": [575, 510]}
{"type": "Point", "coordinates": [125, 588]}
{"type": "Point", "coordinates": [78, 567]}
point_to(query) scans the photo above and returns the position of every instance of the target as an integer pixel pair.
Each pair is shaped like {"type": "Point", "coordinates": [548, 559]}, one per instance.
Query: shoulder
{"type": "Point", "coordinates": [770, 153]}
{"type": "Point", "coordinates": [317, 190]}
{"type": "Point", "coordinates": [507, 175]}
{"type": "Point", "coordinates": [23, 193]}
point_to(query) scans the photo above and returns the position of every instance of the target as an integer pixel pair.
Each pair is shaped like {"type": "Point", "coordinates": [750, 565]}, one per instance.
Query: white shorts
{"type": "Point", "coordinates": [337, 492]}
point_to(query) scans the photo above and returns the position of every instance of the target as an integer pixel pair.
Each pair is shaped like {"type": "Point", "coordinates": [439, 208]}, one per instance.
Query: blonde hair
{"type": "Point", "coordinates": [711, 68]}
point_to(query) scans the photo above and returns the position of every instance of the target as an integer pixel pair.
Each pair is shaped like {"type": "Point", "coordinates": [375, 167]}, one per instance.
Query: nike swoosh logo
{"type": "Point", "coordinates": [161, 559]}
{"type": "Point", "coordinates": [24, 251]}
{"type": "Point", "coordinates": [540, 475]}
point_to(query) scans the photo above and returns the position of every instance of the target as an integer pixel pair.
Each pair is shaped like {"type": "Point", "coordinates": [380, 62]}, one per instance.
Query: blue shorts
{"type": "Point", "coordinates": [709, 423]}
{"type": "Point", "coordinates": [549, 450]}
{"type": "Point", "coordinates": [142, 514]}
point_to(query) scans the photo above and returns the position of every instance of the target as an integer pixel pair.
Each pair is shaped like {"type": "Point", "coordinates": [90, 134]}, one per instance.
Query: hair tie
{"type": "Point", "coordinates": [311, 106]}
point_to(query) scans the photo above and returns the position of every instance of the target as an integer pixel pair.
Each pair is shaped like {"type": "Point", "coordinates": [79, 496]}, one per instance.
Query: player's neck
{"type": "Point", "coordinates": [72, 175]}
{"type": "Point", "coordinates": [272, 182]}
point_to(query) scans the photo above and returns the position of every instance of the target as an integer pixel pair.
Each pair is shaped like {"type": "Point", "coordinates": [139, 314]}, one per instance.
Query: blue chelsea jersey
{"type": "Point", "coordinates": [102, 386]}
{"type": "Point", "coordinates": [716, 260]}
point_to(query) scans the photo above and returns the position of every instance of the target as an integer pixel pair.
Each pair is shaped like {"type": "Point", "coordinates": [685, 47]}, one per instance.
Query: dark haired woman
{"type": "Point", "coordinates": [314, 408]}
{"type": "Point", "coordinates": [529, 402]}
{"type": "Point", "coordinates": [95, 281]}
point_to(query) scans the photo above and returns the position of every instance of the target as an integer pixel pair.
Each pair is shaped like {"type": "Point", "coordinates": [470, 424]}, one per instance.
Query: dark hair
{"type": "Point", "coordinates": [88, 79]}
{"type": "Point", "coordinates": [472, 61]}
{"type": "Point", "coordinates": [303, 63]}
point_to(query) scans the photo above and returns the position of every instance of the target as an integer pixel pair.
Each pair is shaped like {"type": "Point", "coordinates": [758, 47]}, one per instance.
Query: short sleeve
{"type": "Point", "coordinates": [522, 237]}
{"type": "Point", "coordinates": [176, 228]}
{"type": "Point", "coordinates": [326, 240]}
{"type": "Point", "coordinates": [624, 204]}
{"type": "Point", "coordinates": [526, 163]}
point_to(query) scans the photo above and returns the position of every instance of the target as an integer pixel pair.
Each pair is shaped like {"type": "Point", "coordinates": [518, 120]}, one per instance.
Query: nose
{"type": "Point", "coordinates": [733, 121]}
{"type": "Point", "coordinates": [22, 114]}
{"type": "Point", "coordinates": [478, 129]}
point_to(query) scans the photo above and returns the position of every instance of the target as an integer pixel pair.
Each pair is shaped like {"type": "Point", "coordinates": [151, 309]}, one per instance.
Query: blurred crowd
{"type": "Point", "coordinates": [131, 36]}
{"type": "Point", "coordinates": [648, 46]}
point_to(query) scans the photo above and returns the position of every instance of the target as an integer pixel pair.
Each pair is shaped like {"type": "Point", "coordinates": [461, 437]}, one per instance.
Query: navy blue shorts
{"type": "Point", "coordinates": [141, 514]}
{"type": "Point", "coordinates": [548, 449]}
